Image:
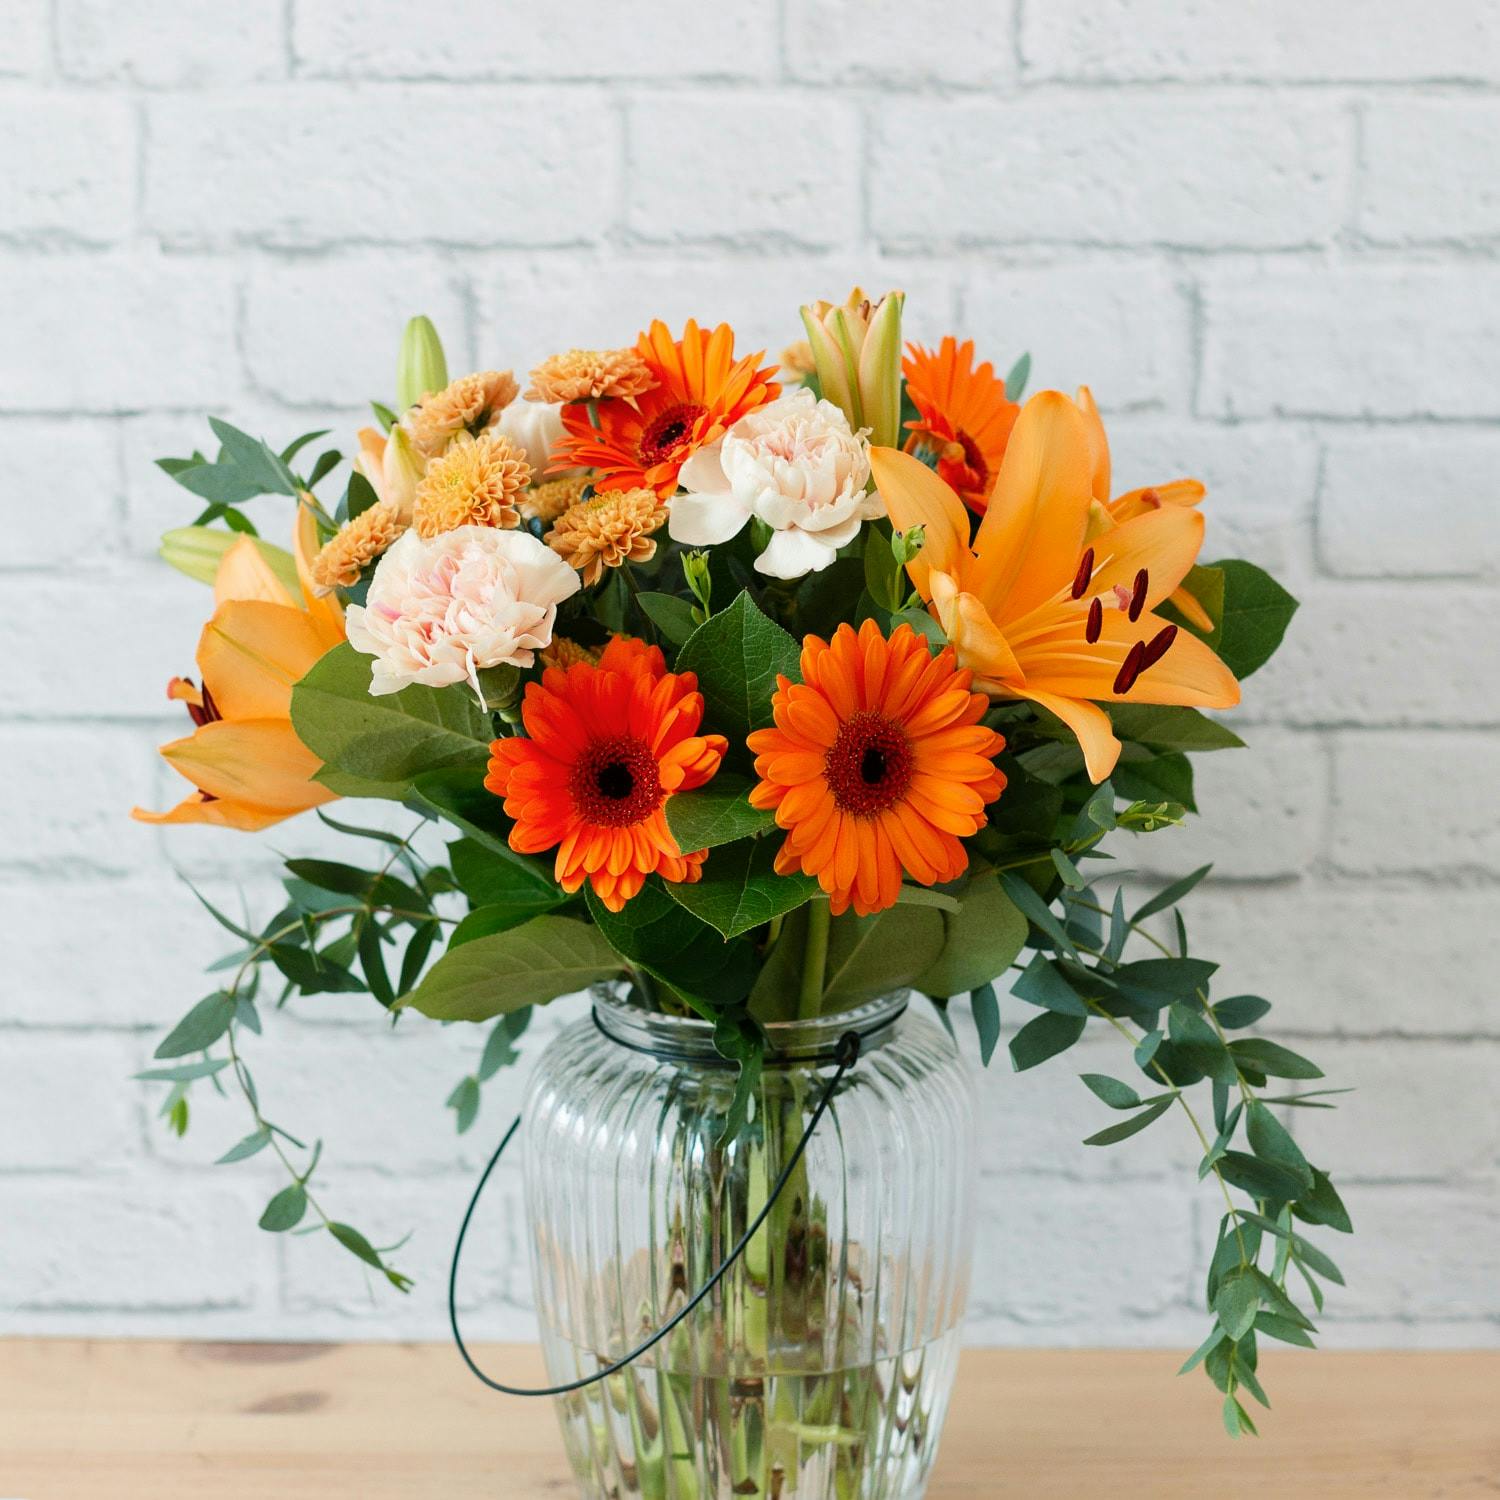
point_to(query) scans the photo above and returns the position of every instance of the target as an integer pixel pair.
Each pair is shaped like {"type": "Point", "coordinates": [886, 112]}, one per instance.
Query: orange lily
{"type": "Point", "coordinates": [1133, 503]}
{"type": "Point", "coordinates": [1037, 608]}
{"type": "Point", "coordinates": [247, 766]}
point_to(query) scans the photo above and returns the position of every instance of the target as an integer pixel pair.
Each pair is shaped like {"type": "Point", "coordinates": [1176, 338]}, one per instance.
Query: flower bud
{"type": "Point", "coordinates": [856, 349]}
{"type": "Point", "coordinates": [421, 366]}
{"type": "Point", "coordinates": [197, 552]}
{"type": "Point", "coordinates": [695, 570]}
{"type": "Point", "coordinates": [908, 544]}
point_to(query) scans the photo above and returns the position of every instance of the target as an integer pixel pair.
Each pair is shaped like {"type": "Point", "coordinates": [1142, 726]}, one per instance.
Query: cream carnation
{"type": "Point", "coordinates": [796, 465]}
{"type": "Point", "coordinates": [439, 609]}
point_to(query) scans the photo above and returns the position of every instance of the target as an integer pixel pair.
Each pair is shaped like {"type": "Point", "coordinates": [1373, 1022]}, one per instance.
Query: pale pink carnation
{"type": "Point", "coordinates": [441, 608]}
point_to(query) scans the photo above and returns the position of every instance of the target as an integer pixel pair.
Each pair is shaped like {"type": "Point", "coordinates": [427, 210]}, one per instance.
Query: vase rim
{"type": "Point", "coordinates": [690, 1038]}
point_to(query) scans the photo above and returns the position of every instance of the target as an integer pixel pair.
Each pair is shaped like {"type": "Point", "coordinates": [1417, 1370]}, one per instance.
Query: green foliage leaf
{"type": "Point", "coordinates": [873, 956]}
{"type": "Point", "coordinates": [1015, 381]}
{"type": "Point", "coordinates": [1274, 1326]}
{"type": "Point", "coordinates": [200, 1028]}
{"type": "Point", "coordinates": [719, 813]}
{"type": "Point", "coordinates": [658, 934]}
{"type": "Point", "coordinates": [980, 940]}
{"type": "Point", "coordinates": [392, 738]}
{"type": "Point", "coordinates": [1127, 1128]}
{"type": "Point", "coordinates": [1111, 1091]}
{"type": "Point", "coordinates": [464, 1102]}
{"type": "Point", "coordinates": [1155, 982]}
{"type": "Point", "coordinates": [244, 468]}
{"type": "Point", "coordinates": [1165, 777]}
{"type": "Point", "coordinates": [1170, 895]}
{"type": "Point", "coordinates": [671, 615]}
{"type": "Point", "coordinates": [1251, 612]}
{"type": "Point", "coordinates": [184, 1072]}
{"type": "Point", "coordinates": [528, 965]}
{"type": "Point", "coordinates": [1042, 983]}
{"type": "Point", "coordinates": [1036, 911]}
{"type": "Point", "coordinates": [737, 655]}
{"type": "Point", "coordinates": [357, 1245]}
{"type": "Point", "coordinates": [1272, 1058]}
{"type": "Point", "coordinates": [1044, 1036]}
{"type": "Point", "coordinates": [1261, 1179]}
{"type": "Point", "coordinates": [985, 1005]}
{"type": "Point", "coordinates": [285, 1210]}
{"type": "Point", "coordinates": [488, 879]}
{"type": "Point", "coordinates": [740, 889]}
{"type": "Point", "coordinates": [1270, 1140]}
{"type": "Point", "coordinates": [500, 1046]}
{"type": "Point", "coordinates": [1235, 1305]}
{"type": "Point", "coordinates": [1322, 1205]}
{"type": "Point", "coordinates": [256, 1141]}
{"type": "Point", "coordinates": [1166, 727]}
{"type": "Point", "coordinates": [1240, 1010]}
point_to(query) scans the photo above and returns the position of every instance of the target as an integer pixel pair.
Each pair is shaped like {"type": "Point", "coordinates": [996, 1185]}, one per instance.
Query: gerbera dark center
{"type": "Point", "coordinates": [869, 766]}
{"type": "Point", "coordinates": [614, 782]}
{"type": "Point", "coordinates": [666, 430]}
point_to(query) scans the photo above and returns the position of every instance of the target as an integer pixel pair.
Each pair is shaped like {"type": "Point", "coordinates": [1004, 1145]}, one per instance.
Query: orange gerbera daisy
{"type": "Point", "coordinates": [606, 746]}
{"type": "Point", "coordinates": [641, 442]}
{"type": "Point", "coordinates": [877, 764]}
{"type": "Point", "coordinates": [964, 416]}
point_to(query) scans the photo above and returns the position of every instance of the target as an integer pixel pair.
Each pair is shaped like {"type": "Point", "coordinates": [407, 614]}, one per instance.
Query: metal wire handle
{"type": "Point", "coordinates": [846, 1054]}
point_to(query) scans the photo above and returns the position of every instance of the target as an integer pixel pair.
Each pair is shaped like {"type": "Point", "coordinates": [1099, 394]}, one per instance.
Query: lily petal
{"type": "Point", "coordinates": [1098, 444]}
{"type": "Point", "coordinates": [1032, 533]}
{"type": "Point", "coordinates": [244, 573]}
{"type": "Point", "coordinates": [259, 761]}
{"type": "Point", "coordinates": [915, 496]}
{"type": "Point", "coordinates": [979, 643]}
{"type": "Point", "coordinates": [251, 653]}
{"type": "Point", "coordinates": [324, 610]}
{"type": "Point", "coordinates": [1164, 542]}
{"type": "Point", "coordinates": [1096, 735]}
{"type": "Point", "coordinates": [221, 812]}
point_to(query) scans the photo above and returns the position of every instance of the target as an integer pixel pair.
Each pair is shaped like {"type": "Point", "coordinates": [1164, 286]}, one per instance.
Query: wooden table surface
{"type": "Point", "coordinates": [166, 1421]}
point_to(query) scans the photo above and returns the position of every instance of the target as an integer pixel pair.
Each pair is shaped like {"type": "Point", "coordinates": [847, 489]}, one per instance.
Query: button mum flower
{"type": "Point", "coordinates": [877, 764]}
{"type": "Point", "coordinates": [701, 391]}
{"type": "Point", "coordinates": [606, 746]}
{"type": "Point", "coordinates": [247, 766]}
{"type": "Point", "coordinates": [1034, 608]}
{"type": "Point", "coordinates": [440, 609]}
{"type": "Point", "coordinates": [796, 465]}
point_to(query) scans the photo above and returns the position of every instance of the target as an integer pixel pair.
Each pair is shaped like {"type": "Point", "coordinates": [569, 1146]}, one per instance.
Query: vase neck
{"type": "Point", "coordinates": [690, 1039]}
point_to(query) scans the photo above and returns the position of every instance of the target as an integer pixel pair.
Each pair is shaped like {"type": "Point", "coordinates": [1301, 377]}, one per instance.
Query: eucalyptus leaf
{"type": "Point", "coordinates": [1044, 1036]}
{"type": "Point", "coordinates": [1154, 1110]}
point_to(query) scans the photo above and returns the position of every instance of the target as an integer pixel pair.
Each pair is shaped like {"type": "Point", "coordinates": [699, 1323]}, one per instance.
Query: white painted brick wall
{"type": "Point", "coordinates": [1267, 236]}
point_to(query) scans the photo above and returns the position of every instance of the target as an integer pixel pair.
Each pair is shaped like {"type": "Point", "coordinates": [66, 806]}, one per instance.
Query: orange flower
{"type": "Point", "coordinates": [606, 746]}
{"type": "Point", "coordinates": [964, 417]}
{"type": "Point", "coordinates": [1038, 610]}
{"type": "Point", "coordinates": [1133, 503]}
{"type": "Point", "coordinates": [877, 764]}
{"type": "Point", "coordinates": [243, 757]}
{"type": "Point", "coordinates": [641, 442]}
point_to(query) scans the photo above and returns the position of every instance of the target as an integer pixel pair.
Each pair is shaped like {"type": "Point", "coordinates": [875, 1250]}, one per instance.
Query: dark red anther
{"type": "Point", "coordinates": [1138, 596]}
{"type": "Point", "coordinates": [1130, 669]}
{"type": "Point", "coordinates": [1085, 573]}
{"type": "Point", "coordinates": [1096, 622]}
{"type": "Point", "coordinates": [1156, 647]}
{"type": "Point", "coordinates": [1151, 498]}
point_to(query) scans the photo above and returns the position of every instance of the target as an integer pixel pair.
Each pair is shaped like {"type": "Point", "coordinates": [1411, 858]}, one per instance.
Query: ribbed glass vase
{"type": "Point", "coordinates": [821, 1366]}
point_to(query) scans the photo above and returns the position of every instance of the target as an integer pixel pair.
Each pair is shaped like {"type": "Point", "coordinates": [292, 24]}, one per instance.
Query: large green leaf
{"type": "Point", "coordinates": [740, 888]}
{"type": "Point", "coordinates": [980, 940]}
{"type": "Point", "coordinates": [487, 879]}
{"type": "Point", "coordinates": [528, 965]}
{"type": "Point", "coordinates": [719, 813]}
{"type": "Point", "coordinates": [1167, 727]}
{"type": "Point", "coordinates": [737, 655]}
{"type": "Point", "coordinates": [390, 738]}
{"type": "Point", "coordinates": [1250, 611]}
{"type": "Point", "coordinates": [669, 942]}
{"type": "Point", "coordinates": [873, 956]}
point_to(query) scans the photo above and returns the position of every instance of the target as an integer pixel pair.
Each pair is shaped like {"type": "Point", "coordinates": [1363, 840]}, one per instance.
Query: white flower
{"type": "Point", "coordinates": [534, 426]}
{"type": "Point", "coordinates": [440, 609]}
{"type": "Point", "coordinates": [796, 465]}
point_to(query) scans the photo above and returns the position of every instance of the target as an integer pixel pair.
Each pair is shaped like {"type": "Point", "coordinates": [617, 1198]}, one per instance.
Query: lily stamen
{"type": "Point", "coordinates": [1138, 596]}
{"type": "Point", "coordinates": [1085, 573]}
{"type": "Point", "coordinates": [1156, 647]}
{"type": "Point", "coordinates": [1131, 668]}
{"type": "Point", "coordinates": [1096, 621]}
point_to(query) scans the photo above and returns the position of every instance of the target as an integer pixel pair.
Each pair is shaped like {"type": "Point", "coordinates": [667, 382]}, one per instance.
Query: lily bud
{"type": "Point", "coordinates": [695, 571]}
{"type": "Point", "coordinates": [421, 366]}
{"type": "Point", "coordinates": [197, 552]}
{"type": "Point", "coordinates": [856, 350]}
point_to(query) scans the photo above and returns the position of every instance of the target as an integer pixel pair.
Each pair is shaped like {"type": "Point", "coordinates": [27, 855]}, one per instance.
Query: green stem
{"type": "Point", "coordinates": [814, 960]}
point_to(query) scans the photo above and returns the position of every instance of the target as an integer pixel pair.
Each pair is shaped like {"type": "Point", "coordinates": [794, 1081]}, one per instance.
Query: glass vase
{"type": "Point", "coordinates": [820, 1367]}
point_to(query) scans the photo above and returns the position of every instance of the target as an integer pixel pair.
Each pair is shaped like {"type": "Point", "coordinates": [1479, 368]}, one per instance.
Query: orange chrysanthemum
{"type": "Point", "coordinates": [963, 417]}
{"type": "Point", "coordinates": [877, 764]}
{"type": "Point", "coordinates": [701, 391]}
{"type": "Point", "coordinates": [606, 746]}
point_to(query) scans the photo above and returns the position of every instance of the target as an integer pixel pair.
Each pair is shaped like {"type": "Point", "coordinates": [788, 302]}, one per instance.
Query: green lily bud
{"type": "Point", "coordinates": [421, 366]}
{"type": "Point", "coordinates": [695, 570]}
{"type": "Point", "coordinates": [908, 544]}
{"type": "Point", "coordinates": [198, 550]}
{"type": "Point", "coordinates": [857, 351]}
